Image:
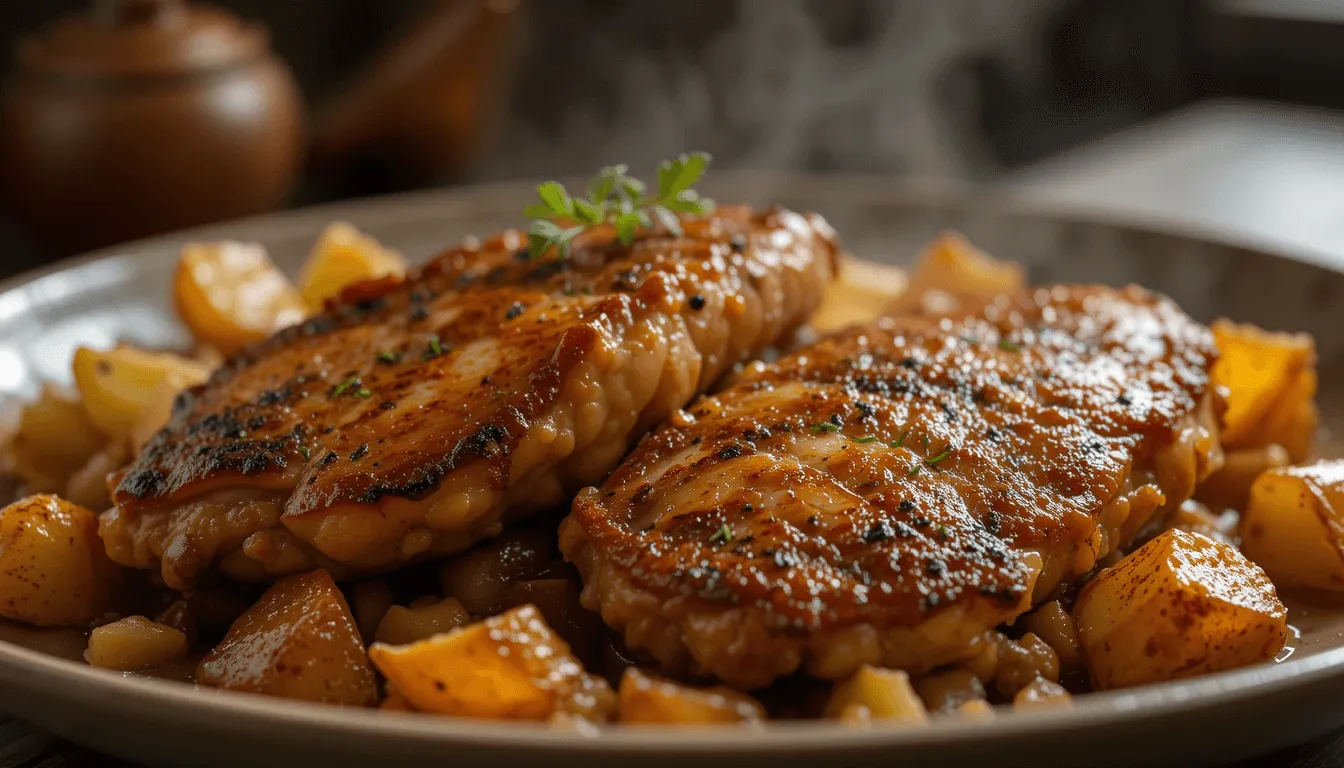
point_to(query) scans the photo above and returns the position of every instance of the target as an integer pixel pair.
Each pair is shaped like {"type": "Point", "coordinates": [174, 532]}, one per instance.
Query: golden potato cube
{"type": "Point", "coordinates": [53, 569]}
{"type": "Point", "coordinates": [886, 694]}
{"type": "Point", "coordinates": [1293, 526]}
{"type": "Point", "coordinates": [952, 270]}
{"type": "Point", "coordinates": [135, 643]}
{"type": "Point", "coordinates": [1181, 605]}
{"type": "Point", "coordinates": [510, 666]}
{"type": "Point", "coordinates": [645, 698]}
{"type": "Point", "coordinates": [1042, 694]}
{"type": "Point", "coordinates": [1230, 487]}
{"type": "Point", "coordinates": [119, 385]}
{"type": "Point", "coordinates": [1294, 419]}
{"type": "Point", "coordinates": [55, 438]}
{"type": "Point", "coordinates": [341, 257]}
{"type": "Point", "coordinates": [298, 642]}
{"type": "Point", "coordinates": [230, 294]}
{"type": "Point", "coordinates": [401, 626]}
{"type": "Point", "coordinates": [861, 291]}
{"type": "Point", "coordinates": [1263, 372]}
{"type": "Point", "coordinates": [946, 691]}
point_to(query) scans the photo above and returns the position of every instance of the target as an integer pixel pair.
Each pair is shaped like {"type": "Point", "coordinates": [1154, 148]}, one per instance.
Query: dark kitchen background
{"type": "Point", "coordinates": [404, 94]}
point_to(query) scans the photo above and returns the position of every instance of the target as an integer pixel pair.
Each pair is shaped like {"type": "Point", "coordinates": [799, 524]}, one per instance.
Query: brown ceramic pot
{"type": "Point", "coordinates": [143, 116]}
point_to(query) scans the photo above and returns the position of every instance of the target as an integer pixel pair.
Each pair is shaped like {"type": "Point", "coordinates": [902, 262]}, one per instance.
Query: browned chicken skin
{"type": "Point", "coordinates": [415, 418]}
{"type": "Point", "coordinates": [888, 495]}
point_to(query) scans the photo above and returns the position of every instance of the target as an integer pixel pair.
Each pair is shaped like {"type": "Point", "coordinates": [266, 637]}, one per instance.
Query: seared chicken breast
{"type": "Point", "coordinates": [889, 494]}
{"type": "Point", "coordinates": [414, 418]}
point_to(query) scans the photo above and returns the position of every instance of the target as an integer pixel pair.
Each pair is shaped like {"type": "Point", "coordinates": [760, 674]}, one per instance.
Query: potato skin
{"type": "Point", "coordinates": [1293, 526]}
{"type": "Point", "coordinates": [298, 642]}
{"type": "Point", "coordinates": [1180, 606]}
{"type": "Point", "coordinates": [53, 569]}
{"type": "Point", "coordinates": [511, 666]}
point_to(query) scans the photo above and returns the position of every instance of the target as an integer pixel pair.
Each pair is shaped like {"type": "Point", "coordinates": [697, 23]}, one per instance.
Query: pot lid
{"type": "Point", "coordinates": [142, 38]}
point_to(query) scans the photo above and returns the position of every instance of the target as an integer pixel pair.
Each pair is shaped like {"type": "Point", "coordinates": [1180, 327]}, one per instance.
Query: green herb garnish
{"type": "Point", "coordinates": [824, 426]}
{"type": "Point", "coordinates": [343, 387]}
{"type": "Point", "coordinates": [865, 439]}
{"type": "Point", "coordinates": [914, 470]}
{"type": "Point", "coordinates": [899, 441]}
{"type": "Point", "coordinates": [303, 451]}
{"type": "Point", "coordinates": [618, 199]}
{"type": "Point", "coordinates": [388, 357]}
{"type": "Point", "coordinates": [364, 394]}
{"type": "Point", "coordinates": [1009, 346]}
{"type": "Point", "coordinates": [934, 461]}
{"type": "Point", "coordinates": [724, 534]}
{"type": "Point", "coordinates": [435, 348]}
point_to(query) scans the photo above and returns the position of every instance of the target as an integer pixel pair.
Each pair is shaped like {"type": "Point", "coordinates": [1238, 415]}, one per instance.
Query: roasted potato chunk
{"type": "Point", "coordinates": [861, 291]}
{"type": "Point", "coordinates": [55, 438]}
{"type": "Point", "coordinates": [1293, 526]}
{"type": "Point", "coordinates": [876, 694]}
{"type": "Point", "coordinates": [645, 698]}
{"type": "Point", "coordinates": [510, 666]}
{"type": "Point", "coordinates": [342, 257]}
{"type": "Point", "coordinates": [1042, 694]}
{"type": "Point", "coordinates": [1181, 605]}
{"type": "Point", "coordinates": [1230, 487]}
{"type": "Point", "coordinates": [298, 642]}
{"type": "Point", "coordinates": [1271, 384]}
{"type": "Point", "coordinates": [230, 294]}
{"type": "Point", "coordinates": [401, 626]}
{"type": "Point", "coordinates": [53, 569]}
{"type": "Point", "coordinates": [951, 271]}
{"type": "Point", "coordinates": [135, 643]}
{"type": "Point", "coordinates": [122, 388]}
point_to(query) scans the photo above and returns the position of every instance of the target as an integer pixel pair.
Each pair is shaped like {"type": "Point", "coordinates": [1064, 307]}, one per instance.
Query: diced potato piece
{"type": "Point", "coordinates": [1181, 605]}
{"type": "Point", "coordinates": [948, 690]}
{"type": "Point", "coordinates": [885, 693]}
{"type": "Point", "coordinates": [401, 626]}
{"type": "Point", "coordinates": [55, 437]}
{"type": "Point", "coordinates": [53, 569]}
{"type": "Point", "coordinates": [645, 698]}
{"type": "Point", "coordinates": [979, 709]}
{"type": "Point", "coordinates": [510, 666]}
{"type": "Point", "coordinates": [861, 291]}
{"type": "Point", "coordinates": [298, 642]}
{"type": "Point", "coordinates": [1042, 694]}
{"type": "Point", "coordinates": [135, 643]}
{"type": "Point", "coordinates": [342, 257]}
{"type": "Point", "coordinates": [1054, 626]}
{"type": "Point", "coordinates": [952, 270]}
{"type": "Point", "coordinates": [1230, 487]}
{"type": "Point", "coordinates": [1268, 375]}
{"type": "Point", "coordinates": [1023, 660]}
{"type": "Point", "coordinates": [1293, 526]}
{"type": "Point", "coordinates": [121, 386]}
{"type": "Point", "coordinates": [230, 294]}
{"type": "Point", "coordinates": [370, 602]}
{"type": "Point", "coordinates": [395, 701]}
{"type": "Point", "coordinates": [1294, 419]}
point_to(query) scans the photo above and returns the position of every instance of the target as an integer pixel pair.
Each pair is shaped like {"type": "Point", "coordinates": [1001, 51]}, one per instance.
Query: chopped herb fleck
{"type": "Point", "coordinates": [364, 394]}
{"type": "Point", "coordinates": [1009, 346]}
{"type": "Point", "coordinates": [360, 452]}
{"type": "Point", "coordinates": [304, 452]}
{"type": "Point", "coordinates": [724, 534]}
{"type": "Point", "coordinates": [498, 393]}
{"type": "Point", "coordinates": [934, 461]}
{"type": "Point", "coordinates": [900, 441]}
{"type": "Point", "coordinates": [343, 387]}
{"type": "Point", "coordinates": [914, 470]}
{"type": "Point", "coordinates": [865, 439]}
{"type": "Point", "coordinates": [389, 357]}
{"type": "Point", "coordinates": [942, 531]}
{"type": "Point", "coordinates": [435, 348]}
{"type": "Point", "coordinates": [967, 338]}
{"type": "Point", "coordinates": [926, 442]}
{"type": "Point", "coordinates": [731, 452]}
{"type": "Point", "coordinates": [824, 427]}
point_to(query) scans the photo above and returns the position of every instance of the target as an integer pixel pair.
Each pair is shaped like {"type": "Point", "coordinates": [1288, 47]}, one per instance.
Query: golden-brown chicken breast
{"type": "Point", "coordinates": [414, 418]}
{"type": "Point", "coordinates": [891, 493]}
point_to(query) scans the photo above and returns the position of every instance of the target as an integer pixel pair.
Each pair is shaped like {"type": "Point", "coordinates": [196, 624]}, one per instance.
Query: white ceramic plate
{"type": "Point", "coordinates": [122, 293]}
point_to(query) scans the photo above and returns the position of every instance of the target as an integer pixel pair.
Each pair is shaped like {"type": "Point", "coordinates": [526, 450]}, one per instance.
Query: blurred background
{"type": "Point", "coordinates": [124, 118]}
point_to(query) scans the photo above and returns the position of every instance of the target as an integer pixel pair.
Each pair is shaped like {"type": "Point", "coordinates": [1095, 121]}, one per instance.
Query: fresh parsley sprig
{"type": "Point", "coordinates": [616, 198]}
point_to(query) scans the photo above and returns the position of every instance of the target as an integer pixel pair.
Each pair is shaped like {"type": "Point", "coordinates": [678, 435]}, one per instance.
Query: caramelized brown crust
{"type": "Point", "coordinates": [410, 419]}
{"type": "Point", "coordinates": [888, 494]}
